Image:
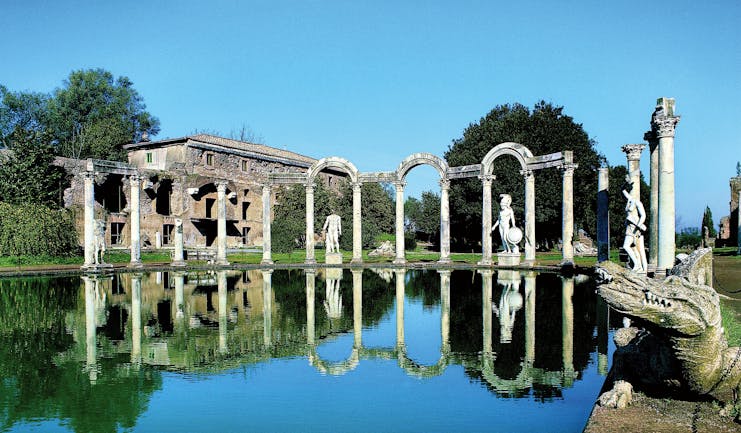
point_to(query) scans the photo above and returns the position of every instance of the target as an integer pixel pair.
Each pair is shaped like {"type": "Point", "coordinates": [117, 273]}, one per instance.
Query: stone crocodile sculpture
{"type": "Point", "coordinates": [685, 319]}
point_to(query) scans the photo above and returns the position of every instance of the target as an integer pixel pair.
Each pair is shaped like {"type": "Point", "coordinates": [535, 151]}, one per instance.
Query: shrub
{"type": "Point", "coordinates": [32, 229]}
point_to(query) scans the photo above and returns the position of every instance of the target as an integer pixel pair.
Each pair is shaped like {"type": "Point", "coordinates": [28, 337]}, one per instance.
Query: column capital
{"type": "Point", "coordinates": [135, 177]}
{"type": "Point", "coordinates": [399, 184]}
{"type": "Point", "coordinates": [487, 178]}
{"type": "Point", "coordinates": [356, 186]}
{"type": "Point", "coordinates": [444, 183]}
{"type": "Point", "coordinates": [568, 168]}
{"type": "Point", "coordinates": [89, 174]}
{"type": "Point", "coordinates": [633, 151]}
{"type": "Point", "coordinates": [309, 187]}
{"type": "Point", "coordinates": [527, 173]}
{"type": "Point", "coordinates": [220, 185]}
{"type": "Point", "coordinates": [663, 126]}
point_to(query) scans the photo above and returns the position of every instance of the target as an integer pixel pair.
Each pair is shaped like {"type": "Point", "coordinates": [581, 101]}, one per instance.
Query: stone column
{"type": "Point", "coordinates": [603, 214]}
{"type": "Point", "coordinates": [400, 287]}
{"type": "Point", "coordinates": [178, 258]}
{"type": "Point", "coordinates": [486, 296]}
{"type": "Point", "coordinates": [267, 306]}
{"type": "Point", "coordinates": [530, 278]}
{"type": "Point", "coordinates": [221, 223]}
{"type": "Point", "coordinates": [663, 124]}
{"type": "Point", "coordinates": [653, 217]}
{"type": "Point", "coordinates": [445, 311]}
{"type": "Point", "coordinates": [444, 222]}
{"type": "Point", "coordinates": [357, 307]}
{"type": "Point", "coordinates": [310, 260]}
{"type": "Point", "coordinates": [89, 219]}
{"type": "Point", "coordinates": [179, 295]}
{"type": "Point", "coordinates": [486, 220]}
{"type": "Point", "coordinates": [400, 256]}
{"type": "Point", "coordinates": [529, 215]}
{"type": "Point", "coordinates": [91, 341]}
{"type": "Point", "coordinates": [221, 288]}
{"type": "Point", "coordinates": [135, 219]}
{"type": "Point", "coordinates": [567, 330]}
{"type": "Point", "coordinates": [136, 319]}
{"type": "Point", "coordinates": [567, 225]}
{"type": "Point", "coordinates": [310, 303]}
{"type": "Point", "coordinates": [267, 256]}
{"type": "Point", "coordinates": [633, 153]}
{"type": "Point", "coordinates": [357, 230]}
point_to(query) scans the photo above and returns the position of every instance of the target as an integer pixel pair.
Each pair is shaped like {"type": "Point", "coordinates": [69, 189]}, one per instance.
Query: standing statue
{"type": "Point", "coordinates": [510, 234]}
{"type": "Point", "coordinates": [634, 228]}
{"type": "Point", "coordinates": [332, 230]}
{"type": "Point", "coordinates": [99, 241]}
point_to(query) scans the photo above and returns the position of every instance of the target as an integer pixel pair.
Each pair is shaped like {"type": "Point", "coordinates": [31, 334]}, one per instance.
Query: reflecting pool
{"type": "Point", "coordinates": [291, 350]}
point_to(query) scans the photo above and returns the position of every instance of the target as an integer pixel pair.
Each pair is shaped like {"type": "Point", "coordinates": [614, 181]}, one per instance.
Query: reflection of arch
{"type": "Point", "coordinates": [416, 159]}
{"type": "Point", "coordinates": [334, 368]}
{"type": "Point", "coordinates": [412, 368]}
{"type": "Point", "coordinates": [332, 162]}
{"type": "Point", "coordinates": [520, 152]}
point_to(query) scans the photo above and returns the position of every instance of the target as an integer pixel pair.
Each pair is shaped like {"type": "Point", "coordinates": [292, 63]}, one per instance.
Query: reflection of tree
{"type": "Point", "coordinates": [40, 372]}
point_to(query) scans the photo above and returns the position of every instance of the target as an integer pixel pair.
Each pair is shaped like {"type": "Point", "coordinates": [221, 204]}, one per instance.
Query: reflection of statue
{"type": "Point", "coordinates": [99, 241]}
{"type": "Point", "coordinates": [510, 234]}
{"type": "Point", "coordinates": [332, 229]}
{"type": "Point", "coordinates": [509, 304]}
{"type": "Point", "coordinates": [634, 228]}
{"type": "Point", "coordinates": [333, 299]}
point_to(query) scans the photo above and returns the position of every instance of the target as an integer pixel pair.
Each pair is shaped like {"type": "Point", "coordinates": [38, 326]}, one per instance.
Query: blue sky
{"type": "Point", "coordinates": [374, 81]}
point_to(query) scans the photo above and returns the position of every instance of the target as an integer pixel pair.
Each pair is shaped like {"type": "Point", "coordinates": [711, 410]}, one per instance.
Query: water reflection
{"type": "Point", "coordinates": [131, 327]}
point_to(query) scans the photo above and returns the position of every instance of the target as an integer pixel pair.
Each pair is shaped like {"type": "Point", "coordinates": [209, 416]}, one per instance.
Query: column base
{"type": "Point", "coordinates": [310, 262]}
{"type": "Point", "coordinates": [356, 261]}
{"type": "Point", "coordinates": [400, 261]}
{"type": "Point", "coordinates": [223, 262]}
{"type": "Point", "coordinates": [137, 264]}
{"type": "Point", "coordinates": [178, 264]}
{"type": "Point", "coordinates": [485, 262]}
{"type": "Point", "coordinates": [444, 261]}
{"type": "Point", "coordinates": [266, 262]}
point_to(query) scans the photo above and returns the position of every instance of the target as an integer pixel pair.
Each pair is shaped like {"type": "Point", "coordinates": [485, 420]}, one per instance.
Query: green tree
{"type": "Point", "coordinates": [544, 129]}
{"type": "Point", "coordinates": [707, 221]}
{"type": "Point", "coordinates": [424, 215]}
{"type": "Point", "coordinates": [377, 213]}
{"type": "Point", "coordinates": [289, 226]}
{"type": "Point", "coordinates": [21, 111]}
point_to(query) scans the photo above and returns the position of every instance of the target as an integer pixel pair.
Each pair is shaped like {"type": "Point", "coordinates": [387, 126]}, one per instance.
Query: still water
{"type": "Point", "coordinates": [287, 350]}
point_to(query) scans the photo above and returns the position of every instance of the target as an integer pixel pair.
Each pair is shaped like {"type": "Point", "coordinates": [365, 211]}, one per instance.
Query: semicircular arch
{"type": "Point", "coordinates": [332, 162]}
{"type": "Point", "coordinates": [519, 151]}
{"type": "Point", "coordinates": [416, 159]}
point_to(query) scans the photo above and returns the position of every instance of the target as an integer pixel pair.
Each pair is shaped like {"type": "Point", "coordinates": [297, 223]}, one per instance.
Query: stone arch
{"type": "Point", "coordinates": [517, 150]}
{"type": "Point", "coordinates": [416, 159]}
{"type": "Point", "coordinates": [332, 162]}
{"type": "Point", "coordinates": [334, 368]}
{"type": "Point", "coordinates": [415, 369]}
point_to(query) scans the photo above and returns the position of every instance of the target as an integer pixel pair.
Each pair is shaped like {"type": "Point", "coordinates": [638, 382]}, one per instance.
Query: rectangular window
{"type": "Point", "coordinates": [168, 233]}
{"type": "Point", "coordinates": [210, 159]}
{"type": "Point", "coordinates": [245, 165]}
{"type": "Point", "coordinates": [150, 158]}
{"type": "Point", "coordinates": [116, 233]}
{"type": "Point", "coordinates": [245, 206]}
{"type": "Point", "coordinates": [210, 202]}
{"type": "Point", "coordinates": [245, 235]}
{"type": "Point", "coordinates": [166, 281]}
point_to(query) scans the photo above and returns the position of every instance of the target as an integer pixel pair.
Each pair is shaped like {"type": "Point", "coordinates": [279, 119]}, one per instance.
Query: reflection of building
{"type": "Point", "coordinates": [180, 179]}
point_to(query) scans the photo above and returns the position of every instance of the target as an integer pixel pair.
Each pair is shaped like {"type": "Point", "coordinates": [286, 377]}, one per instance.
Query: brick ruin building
{"type": "Point", "coordinates": [180, 177]}
{"type": "Point", "coordinates": [728, 233]}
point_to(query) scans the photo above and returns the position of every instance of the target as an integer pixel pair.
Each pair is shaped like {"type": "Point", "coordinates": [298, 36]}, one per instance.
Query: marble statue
{"type": "Point", "coordinates": [99, 241]}
{"type": "Point", "coordinates": [635, 217]}
{"type": "Point", "coordinates": [332, 229]}
{"type": "Point", "coordinates": [510, 234]}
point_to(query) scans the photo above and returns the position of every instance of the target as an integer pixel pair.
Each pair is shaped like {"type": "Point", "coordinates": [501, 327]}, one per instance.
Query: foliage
{"type": "Point", "coordinates": [423, 216]}
{"type": "Point", "coordinates": [91, 116]}
{"type": "Point", "coordinates": [544, 129]}
{"type": "Point", "coordinates": [617, 204]}
{"type": "Point", "coordinates": [689, 237]}
{"type": "Point", "coordinates": [377, 213]}
{"type": "Point", "coordinates": [32, 229]}
{"type": "Point", "coordinates": [707, 221]}
{"type": "Point", "coordinates": [289, 226]}
{"type": "Point", "coordinates": [410, 241]}
{"type": "Point", "coordinates": [27, 174]}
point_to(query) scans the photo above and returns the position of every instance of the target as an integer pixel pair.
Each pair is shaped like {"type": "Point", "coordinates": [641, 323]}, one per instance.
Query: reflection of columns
{"type": "Point", "coordinates": [567, 224]}
{"type": "Point", "coordinates": [444, 311]}
{"type": "Point", "coordinates": [653, 217]}
{"type": "Point", "coordinates": [135, 220]}
{"type": "Point", "coordinates": [267, 306]}
{"type": "Point", "coordinates": [221, 284]}
{"type": "Point", "coordinates": [530, 317]}
{"type": "Point", "coordinates": [567, 329]}
{"type": "Point", "coordinates": [90, 328]}
{"type": "Point", "coordinates": [444, 221]}
{"type": "Point", "coordinates": [486, 285]}
{"type": "Point", "coordinates": [221, 223]}
{"type": "Point", "coordinates": [529, 215]}
{"type": "Point", "coordinates": [178, 258]}
{"type": "Point", "coordinates": [633, 153]}
{"type": "Point", "coordinates": [400, 285]}
{"type": "Point", "coordinates": [310, 224]}
{"type": "Point", "coordinates": [486, 220]}
{"type": "Point", "coordinates": [267, 257]}
{"type": "Point", "coordinates": [603, 214]}
{"type": "Point", "coordinates": [89, 218]}
{"type": "Point", "coordinates": [136, 318]}
{"type": "Point", "coordinates": [179, 297]}
{"type": "Point", "coordinates": [357, 307]}
{"type": "Point", "coordinates": [663, 124]}
{"type": "Point", "coordinates": [357, 231]}
{"type": "Point", "coordinates": [603, 323]}
{"type": "Point", "coordinates": [310, 289]}
{"type": "Point", "coordinates": [400, 258]}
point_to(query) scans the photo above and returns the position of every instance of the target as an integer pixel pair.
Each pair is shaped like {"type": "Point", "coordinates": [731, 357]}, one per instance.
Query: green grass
{"type": "Point", "coordinates": [731, 324]}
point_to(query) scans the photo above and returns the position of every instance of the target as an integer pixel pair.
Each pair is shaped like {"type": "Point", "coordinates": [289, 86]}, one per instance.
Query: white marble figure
{"type": "Point", "coordinates": [332, 229]}
{"type": "Point", "coordinates": [333, 299]}
{"type": "Point", "coordinates": [99, 241]}
{"type": "Point", "coordinates": [635, 217]}
{"type": "Point", "coordinates": [506, 222]}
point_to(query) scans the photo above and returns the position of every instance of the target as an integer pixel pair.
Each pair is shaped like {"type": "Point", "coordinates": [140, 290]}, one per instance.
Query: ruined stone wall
{"type": "Point", "coordinates": [735, 186]}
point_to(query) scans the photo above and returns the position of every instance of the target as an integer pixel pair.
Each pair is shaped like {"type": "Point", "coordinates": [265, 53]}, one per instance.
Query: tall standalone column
{"type": "Point", "coordinates": [444, 221]}
{"type": "Point", "coordinates": [267, 256]}
{"type": "Point", "coordinates": [178, 258]}
{"type": "Point", "coordinates": [486, 220]}
{"type": "Point", "coordinates": [663, 124]}
{"type": "Point", "coordinates": [444, 311]}
{"type": "Point", "coordinates": [179, 278]}
{"type": "Point", "coordinates": [400, 257]}
{"type": "Point", "coordinates": [529, 215]}
{"type": "Point", "coordinates": [221, 287]}
{"type": "Point", "coordinates": [486, 297]}
{"type": "Point", "coordinates": [530, 278]}
{"type": "Point", "coordinates": [310, 303]}
{"type": "Point", "coordinates": [89, 219]}
{"type": "Point", "coordinates": [633, 153]}
{"type": "Point", "coordinates": [603, 214]}
{"type": "Point", "coordinates": [136, 319]}
{"type": "Point", "coordinates": [135, 184]}
{"type": "Point", "coordinates": [91, 341]}
{"type": "Point", "coordinates": [221, 223]}
{"type": "Point", "coordinates": [267, 307]}
{"type": "Point", "coordinates": [310, 224]}
{"type": "Point", "coordinates": [567, 329]}
{"type": "Point", "coordinates": [357, 307]}
{"type": "Point", "coordinates": [357, 230]}
{"type": "Point", "coordinates": [653, 217]}
{"type": "Point", "coordinates": [567, 224]}
{"type": "Point", "coordinates": [400, 287]}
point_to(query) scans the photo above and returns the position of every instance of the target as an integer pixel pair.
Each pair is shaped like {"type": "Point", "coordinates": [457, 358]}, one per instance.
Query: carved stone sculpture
{"type": "Point", "coordinates": [332, 229]}
{"type": "Point", "coordinates": [99, 241]}
{"type": "Point", "coordinates": [509, 233]}
{"type": "Point", "coordinates": [682, 346]}
{"type": "Point", "coordinates": [635, 227]}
